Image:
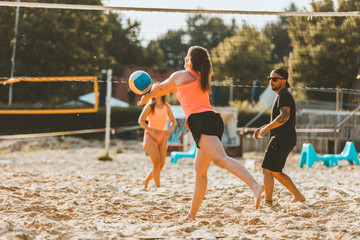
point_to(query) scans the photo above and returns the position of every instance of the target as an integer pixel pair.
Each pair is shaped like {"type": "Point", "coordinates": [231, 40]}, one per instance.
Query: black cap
{"type": "Point", "coordinates": [283, 74]}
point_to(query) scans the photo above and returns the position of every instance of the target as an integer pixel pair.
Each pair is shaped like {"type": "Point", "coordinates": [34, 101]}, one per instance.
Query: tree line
{"type": "Point", "coordinates": [59, 42]}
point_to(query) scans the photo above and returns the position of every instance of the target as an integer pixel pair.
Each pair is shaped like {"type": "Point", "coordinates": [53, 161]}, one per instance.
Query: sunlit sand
{"type": "Point", "coordinates": [57, 189]}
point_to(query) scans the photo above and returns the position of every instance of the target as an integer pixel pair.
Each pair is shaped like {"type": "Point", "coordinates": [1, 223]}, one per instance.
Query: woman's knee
{"type": "Point", "coordinates": [222, 161]}
{"type": "Point", "coordinates": [219, 162]}
{"type": "Point", "coordinates": [157, 164]}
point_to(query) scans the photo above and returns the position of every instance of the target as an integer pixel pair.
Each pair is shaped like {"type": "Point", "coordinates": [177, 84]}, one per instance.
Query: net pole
{"type": "Point", "coordinates": [108, 112]}
{"type": "Point", "coordinates": [14, 53]}
{"type": "Point", "coordinates": [338, 117]}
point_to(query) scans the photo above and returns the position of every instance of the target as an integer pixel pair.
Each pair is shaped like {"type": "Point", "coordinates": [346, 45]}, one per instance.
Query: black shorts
{"type": "Point", "coordinates": [207, 123]}
{"type": "Point", "coordinates": [276, 153]}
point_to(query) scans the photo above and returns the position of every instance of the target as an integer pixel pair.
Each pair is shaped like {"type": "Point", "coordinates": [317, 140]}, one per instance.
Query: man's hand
{"type": "Point", "coordinates": [256, 134]}
{"type": "Point", "coordinates": [262, 131]}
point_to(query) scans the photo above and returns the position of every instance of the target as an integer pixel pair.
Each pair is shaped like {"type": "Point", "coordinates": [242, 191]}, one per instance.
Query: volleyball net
{"type": "Point", "coordinates": [320, 49]}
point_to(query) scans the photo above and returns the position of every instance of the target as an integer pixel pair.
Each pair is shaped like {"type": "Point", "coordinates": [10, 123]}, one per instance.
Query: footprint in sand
{"type": "Point", "coordinates": [306, 214]}
{"type": "Point", "coordinates": [217, 223]}
{"type": "Point", "coordinates": [254, 221]}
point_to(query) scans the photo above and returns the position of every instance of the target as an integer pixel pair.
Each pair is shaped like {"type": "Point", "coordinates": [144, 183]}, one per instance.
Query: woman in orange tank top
{"type": "Point", "coordinates": [156, 135]}
{"type": "Point", "coordinates": [192, 86]}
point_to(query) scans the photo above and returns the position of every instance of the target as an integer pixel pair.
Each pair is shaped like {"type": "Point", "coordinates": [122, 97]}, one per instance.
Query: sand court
{"type": "Point", "coordinates": [56, 189]}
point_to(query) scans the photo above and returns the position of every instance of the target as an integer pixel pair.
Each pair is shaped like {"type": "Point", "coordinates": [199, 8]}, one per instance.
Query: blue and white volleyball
{"type": "Point", "coordinates": [140, 82]}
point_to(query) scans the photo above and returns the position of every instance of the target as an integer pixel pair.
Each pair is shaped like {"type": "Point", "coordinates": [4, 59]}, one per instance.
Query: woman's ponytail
{"type": "Point", "coordinates": [205, 75]}
{"type": "Point", "coordinates": [200, 60]}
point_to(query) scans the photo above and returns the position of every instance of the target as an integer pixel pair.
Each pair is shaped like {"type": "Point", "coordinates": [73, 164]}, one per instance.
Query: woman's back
{"type": "Point", "coordinates": [192, 98]}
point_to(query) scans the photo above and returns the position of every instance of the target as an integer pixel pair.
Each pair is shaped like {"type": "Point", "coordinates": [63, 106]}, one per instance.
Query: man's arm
{"type": "Point", "coordinates": [277, 122]}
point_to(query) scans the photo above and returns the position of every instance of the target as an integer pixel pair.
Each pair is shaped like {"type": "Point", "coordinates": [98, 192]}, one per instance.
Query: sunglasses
{"type": "Point", "coordinates": [274, 79]}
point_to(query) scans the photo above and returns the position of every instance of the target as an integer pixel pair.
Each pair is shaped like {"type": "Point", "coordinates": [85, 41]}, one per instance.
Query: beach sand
{"type": "Point", "coordinates": [55, 188]}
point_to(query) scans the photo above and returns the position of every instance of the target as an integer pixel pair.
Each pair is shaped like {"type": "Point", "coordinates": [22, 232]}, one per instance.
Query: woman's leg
{"type": "Point", "coordinates": [163, 153]}
{"type": "Point", "coordinates": [202, 164]}
{"type": "Point", "coordinates": [213, 149]}
{"type": "Point", "coordinates": [154, 154]}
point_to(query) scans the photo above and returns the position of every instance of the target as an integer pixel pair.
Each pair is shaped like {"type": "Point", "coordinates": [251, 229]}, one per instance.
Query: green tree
{"type": "Point", "coordinates": [154, 56]}
{"type": "Point", "coordinates": [278, 34]}
{"type": "Point", "coordinates": [326, 50]}
{"type": "Point", "coordinates": [244, 58]}
{"type": "Point", "coordinates": [208, 31]}
{"type": "Point", "coordinates": [53, 42]}
{"type": "Point", "coordinates": [200, 30]}
{"type": "Point", "coordinates": [123, 47]}
{"type": "Point", "coordinates": [348, 5]}
{"type": "Point", "coordinates": [323, 6]}
{"type": "Point", "coordinates": [59, 42]}
{"type": "Point", "coordinates": [174, 48]}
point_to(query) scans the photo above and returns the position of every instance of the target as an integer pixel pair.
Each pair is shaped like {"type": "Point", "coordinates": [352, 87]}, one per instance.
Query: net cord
{"type": "Point", "coordinates": [109, 8]}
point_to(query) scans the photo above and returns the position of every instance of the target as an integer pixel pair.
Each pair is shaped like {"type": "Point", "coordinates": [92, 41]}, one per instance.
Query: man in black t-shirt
{"type": "Point", "coordinates": [282, 137]}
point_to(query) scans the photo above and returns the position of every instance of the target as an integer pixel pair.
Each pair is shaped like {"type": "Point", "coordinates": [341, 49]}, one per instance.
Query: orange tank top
{"type": "Point", "coordinates": [157, 120]}
{"type": "Point", "coordinates": [192, 98]}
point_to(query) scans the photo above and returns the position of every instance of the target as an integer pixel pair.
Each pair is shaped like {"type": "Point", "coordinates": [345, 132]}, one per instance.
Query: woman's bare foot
{"type": "Point", "coordinates": [269, 202]}
{"type": "Point", "coordinates": [190, 217]}
{"type": "Point", "coordinates": [257, 195]}
{"type": "Point", "coordinates": [145, 183]}
{"type": "Point", "coordinates": [299, 198]}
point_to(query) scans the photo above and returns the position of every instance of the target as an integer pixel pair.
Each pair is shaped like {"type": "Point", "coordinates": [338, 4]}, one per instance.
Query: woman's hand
{"type": "Point", "coordinates": [153, 132]}
{"type": "Point", "coordinates": [167, 133]}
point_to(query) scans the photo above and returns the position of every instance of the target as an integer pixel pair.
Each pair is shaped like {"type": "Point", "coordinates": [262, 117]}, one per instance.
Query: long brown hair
{"type": "Point", "coordinates": [153, 102]}
{"type": "Point", "coordinates": [200, 59]}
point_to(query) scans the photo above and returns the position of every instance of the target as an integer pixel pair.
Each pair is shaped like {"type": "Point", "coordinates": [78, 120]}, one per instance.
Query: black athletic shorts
{"type": "Point", "coordinates": [207, 123]}
{"type": "Point", "coordinates": [276, 153]}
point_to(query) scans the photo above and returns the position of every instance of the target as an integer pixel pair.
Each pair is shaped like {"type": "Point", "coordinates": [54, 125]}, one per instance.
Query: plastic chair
{"type": "Point", "coordinates": [190, 154]}
{"type": "Point", "coordinates": [309, 156]}
{"type": "Point", "coordinates": [349, 153]}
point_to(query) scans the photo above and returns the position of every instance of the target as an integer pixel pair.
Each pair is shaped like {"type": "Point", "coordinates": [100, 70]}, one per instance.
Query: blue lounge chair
{"type": "Point", "coordinates": [176, 155]}
{"type": "Point", "coordinates": [309, 156]}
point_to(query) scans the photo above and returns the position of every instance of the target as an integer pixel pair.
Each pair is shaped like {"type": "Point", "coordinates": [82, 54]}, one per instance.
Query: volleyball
{"type": "Point", "coordinates": [140, 82]}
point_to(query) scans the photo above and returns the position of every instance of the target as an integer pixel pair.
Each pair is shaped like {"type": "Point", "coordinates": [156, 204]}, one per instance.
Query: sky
{"type": "Point", "coordinates": [155, 24]}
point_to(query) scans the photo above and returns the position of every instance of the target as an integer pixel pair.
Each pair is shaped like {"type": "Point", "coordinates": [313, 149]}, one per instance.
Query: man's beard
{"type": "Point", "coordinates": [275, 88]}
